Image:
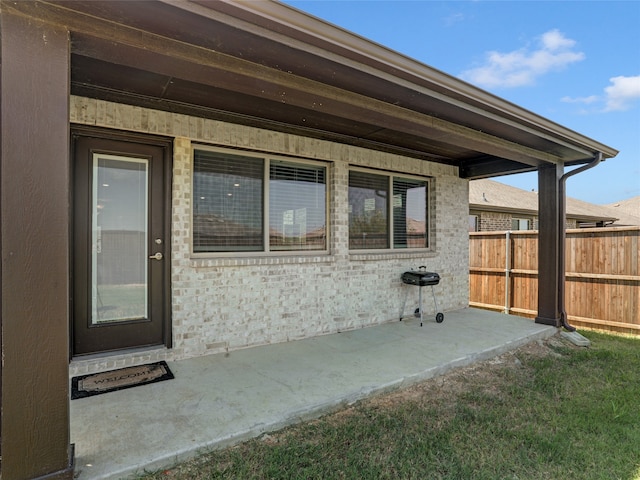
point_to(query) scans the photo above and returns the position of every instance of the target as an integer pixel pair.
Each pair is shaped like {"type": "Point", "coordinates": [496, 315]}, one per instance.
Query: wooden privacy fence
{"type": "Point", "coordinates": [602, 275]}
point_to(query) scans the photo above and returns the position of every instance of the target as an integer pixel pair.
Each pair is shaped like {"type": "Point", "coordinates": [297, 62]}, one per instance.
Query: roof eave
{"type": "Point", "coordinates": [479, 133]}
{"type": "Point", "coordinates": [337, 37]}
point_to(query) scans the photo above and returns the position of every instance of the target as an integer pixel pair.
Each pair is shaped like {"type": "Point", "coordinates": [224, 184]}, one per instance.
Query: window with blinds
{"type": "Point", "coordinates": [297, 207]}
{"type": "Point", "coordinates": [409, 213]}
{"type": "Point", "coordinates": [237, 208]}
{"type": "Point", "coordinates": [227, 202]}
{"type": "Point", "coordinates": [368, 210]}
{"type": "Point", "coordinates": [371, 207]}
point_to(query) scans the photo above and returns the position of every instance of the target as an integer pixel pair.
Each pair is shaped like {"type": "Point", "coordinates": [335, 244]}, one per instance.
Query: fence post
{"type": "Point", "coordinates": [507, 272]}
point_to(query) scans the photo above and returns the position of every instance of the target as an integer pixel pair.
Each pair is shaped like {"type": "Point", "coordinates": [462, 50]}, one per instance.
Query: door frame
{"type": "Point", "coordinates": [166, 144]}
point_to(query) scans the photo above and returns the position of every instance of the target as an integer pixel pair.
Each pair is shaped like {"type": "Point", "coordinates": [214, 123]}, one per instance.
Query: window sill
{"type": "Point", "coordinates": [372, 255]}
{"type": "Point", "coordinates": [295, 258]}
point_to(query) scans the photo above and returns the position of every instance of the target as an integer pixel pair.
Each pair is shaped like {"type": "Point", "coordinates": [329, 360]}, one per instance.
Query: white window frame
{"type": "Point", "coordinates": [390, 177]}
{"type": "Point", "coordinates": [267, 158]}
{"type": "Point", "coordinates": [520, 220]}
{"type": "Point", "coordinates": [476, 223]}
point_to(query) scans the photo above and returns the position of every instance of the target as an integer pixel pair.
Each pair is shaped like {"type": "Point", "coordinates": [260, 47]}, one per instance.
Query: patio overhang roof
{"type": "Point", "coordinates": [268, 65]}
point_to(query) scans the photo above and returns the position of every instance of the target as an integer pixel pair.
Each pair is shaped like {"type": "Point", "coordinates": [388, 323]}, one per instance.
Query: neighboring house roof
{"type": "Point", "coordinates": [269, 65]}
{"type": "Point", "coordinates": [628, 211]}
{"type": "Point", "coordinates": [489, 195]}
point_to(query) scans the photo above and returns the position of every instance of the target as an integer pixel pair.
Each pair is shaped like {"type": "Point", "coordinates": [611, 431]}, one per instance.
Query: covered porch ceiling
{"type": "Point", "coordinates": [268, 65]}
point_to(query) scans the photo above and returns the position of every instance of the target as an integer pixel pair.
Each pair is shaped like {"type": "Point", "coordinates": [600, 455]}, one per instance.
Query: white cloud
{"type": "Point", "coordinates": [522, 67]}
{"type": "Point", "coordinates": [622, 93]}
{"type": "Point", "coordinates": [618, 96]}
{"type": "Point", "coordinates": [554, 40]}
{"type": "Point", "coordinates": [586, 100]}
{"type": "Point", "coordinates": [453, 19]}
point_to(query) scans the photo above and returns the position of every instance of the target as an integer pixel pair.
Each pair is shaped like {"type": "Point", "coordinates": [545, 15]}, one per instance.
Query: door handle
{"type": "Point", "coordinates": [156, 256]}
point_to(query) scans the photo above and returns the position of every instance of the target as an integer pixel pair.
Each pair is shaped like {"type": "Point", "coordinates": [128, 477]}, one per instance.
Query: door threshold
{"type": "Point", "coordinates": [105, 361]}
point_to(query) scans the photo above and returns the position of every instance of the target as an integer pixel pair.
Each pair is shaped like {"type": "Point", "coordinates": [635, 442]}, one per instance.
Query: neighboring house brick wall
{"type": "Point", "coordinates": [491, 221]}
{"type": "Point", "coordinates": [497, 221]}
{"type": "Point", "coordinates": [223, 304]}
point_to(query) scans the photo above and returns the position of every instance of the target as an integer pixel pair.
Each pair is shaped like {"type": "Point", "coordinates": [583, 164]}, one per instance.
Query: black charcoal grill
{"type": "Point", "coordinates": [421, 278]}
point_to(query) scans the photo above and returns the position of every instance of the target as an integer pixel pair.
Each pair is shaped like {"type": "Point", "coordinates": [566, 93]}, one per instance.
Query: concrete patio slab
{"type": "Point", "coordinates": [219, 400]}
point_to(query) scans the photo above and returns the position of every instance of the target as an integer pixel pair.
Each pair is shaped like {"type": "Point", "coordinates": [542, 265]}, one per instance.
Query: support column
{"type": "Point", "coordinates": [549, 212]}
{"type": "Point", "coordinates": [34, 244]}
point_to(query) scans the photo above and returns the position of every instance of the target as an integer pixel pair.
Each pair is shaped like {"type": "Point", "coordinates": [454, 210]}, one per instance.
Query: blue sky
{"type": "Point", "coordinates": [576, 63]}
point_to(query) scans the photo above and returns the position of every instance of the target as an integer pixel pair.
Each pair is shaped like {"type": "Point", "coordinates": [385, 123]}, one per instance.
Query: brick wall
{"type": "Point", "coordinates": [500, 222]}
{"type": "Point", "coordinates": [221, 304]}
{"type": "Point", "coordinates": [492, 221]}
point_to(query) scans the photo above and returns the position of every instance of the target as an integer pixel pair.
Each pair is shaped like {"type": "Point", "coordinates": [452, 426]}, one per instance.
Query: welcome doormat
{"type": "Point", "coordinates": [98, 383]}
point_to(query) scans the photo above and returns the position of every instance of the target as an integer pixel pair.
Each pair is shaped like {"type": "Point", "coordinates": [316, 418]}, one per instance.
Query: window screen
{"type": "Point", "coordinates": [519, 224]}
{"type": "Point", "coordinates": [371, 205]}
{"type": "Point", "coordinates": [368, 210]}
{"type": "Point", "coordinates": [473, 223]}
{"type": "Point", "coordinates": [229, 210]}
{"type": "Point", "coordinates": [227, 202]}
{"type": "Point", "coordinates": [409, 213]}
{"type": "Point", "coordinates": [297, 207]}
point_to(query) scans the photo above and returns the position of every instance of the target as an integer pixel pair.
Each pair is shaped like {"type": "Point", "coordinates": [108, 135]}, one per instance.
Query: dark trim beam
{"type": "Point", "coordinates": [280, 91]}
{"type": "Point", "coordinates": [34, 206]}
{"type": "Point", "coordinates": [486, 167]}
{"type": "Point", "coordinates": [210, 69]}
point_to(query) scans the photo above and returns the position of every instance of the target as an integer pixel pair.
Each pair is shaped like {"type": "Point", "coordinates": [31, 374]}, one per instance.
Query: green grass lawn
{"type": "Point", "coordinates": [551, 411]}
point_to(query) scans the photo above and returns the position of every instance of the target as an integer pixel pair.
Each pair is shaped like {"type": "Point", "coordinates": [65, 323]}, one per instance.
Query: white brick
{"type": "Point", "coordinates": [221, 304]}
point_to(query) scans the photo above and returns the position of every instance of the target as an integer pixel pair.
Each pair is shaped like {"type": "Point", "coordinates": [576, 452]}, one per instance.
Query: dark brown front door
{"type": "Point", "coordinates": [121, 244]}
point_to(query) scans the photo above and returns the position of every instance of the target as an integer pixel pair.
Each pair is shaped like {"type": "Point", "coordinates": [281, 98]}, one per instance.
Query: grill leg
{"type": "Point", "coordinates": [434, 299]}
{"type": "Point", "coordinates": [404, 303]}
{"type": "Point", "coordinates": [420, 303]}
